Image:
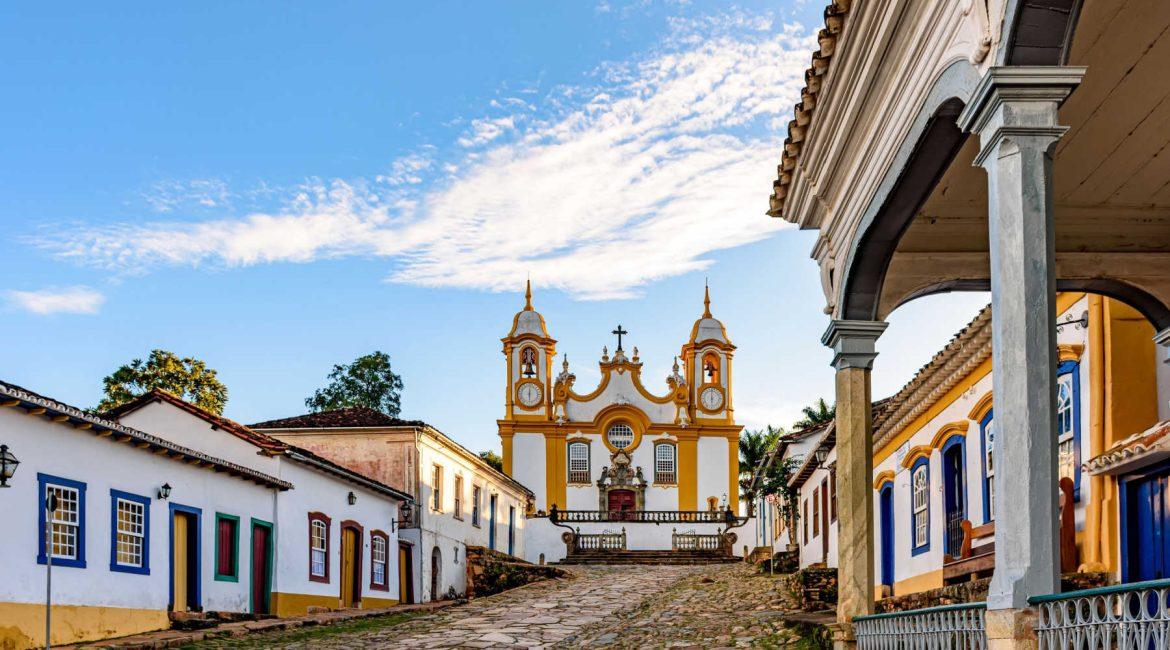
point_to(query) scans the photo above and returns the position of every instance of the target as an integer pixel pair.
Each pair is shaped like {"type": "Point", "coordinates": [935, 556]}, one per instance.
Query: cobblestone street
{"type": "Point", "coordinates": [607, 607]}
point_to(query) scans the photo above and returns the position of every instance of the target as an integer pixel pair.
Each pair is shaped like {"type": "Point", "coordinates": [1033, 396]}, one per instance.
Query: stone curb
{"type": "Point", "coordinates": [179, 638]}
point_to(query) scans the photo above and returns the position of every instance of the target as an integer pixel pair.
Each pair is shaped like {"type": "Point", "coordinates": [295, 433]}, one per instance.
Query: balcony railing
{"type": "Point", "coordinates": [647, 516]}
{"type": "Point", "coordinates": [1132, 616]}
{"type": "Point", "coordinates": [955, 627]}
{"type": "Point", "coordinates": [604, 541]}
{"type": "Point", "coordinates": [692, 541]}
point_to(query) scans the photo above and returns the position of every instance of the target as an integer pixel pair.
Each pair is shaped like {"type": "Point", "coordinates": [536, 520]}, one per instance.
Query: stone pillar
{"type": "Point", "coordinates": [1014, 113]}
{"type": "Point", "coordinates": [853, 354]}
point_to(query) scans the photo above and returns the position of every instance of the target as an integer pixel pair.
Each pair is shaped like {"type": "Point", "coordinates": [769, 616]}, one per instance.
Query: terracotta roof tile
{"type": "Point", "coordinates": [356, 416]}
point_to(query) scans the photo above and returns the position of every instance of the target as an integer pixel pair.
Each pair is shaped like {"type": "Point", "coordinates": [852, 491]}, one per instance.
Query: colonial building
{"type": "Point", "coordinates": [462, 500]}
{"type": "Point", "coordinates": [163, 508]}
{"type": "Point", "coordinates": [620, 447]}
{"type": "Point", "coordinates": [1013, 146]}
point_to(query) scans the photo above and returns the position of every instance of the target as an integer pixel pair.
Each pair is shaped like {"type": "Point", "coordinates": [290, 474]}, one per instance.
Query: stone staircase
{"type": "Point", "coordinates": [596, 556]}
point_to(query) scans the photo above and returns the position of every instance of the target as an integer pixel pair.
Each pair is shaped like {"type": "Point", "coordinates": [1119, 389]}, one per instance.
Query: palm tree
{"type": "Point", "coordinates": [753, 450]}
{"type": "Point", "coordinates": [819, 413]}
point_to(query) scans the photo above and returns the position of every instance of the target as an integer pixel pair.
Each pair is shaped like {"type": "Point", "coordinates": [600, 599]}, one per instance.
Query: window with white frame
{"type": "Point", "coordinates": [620, 435]}
{"type": "Point", "coordinates": [475, 497]}
{"type": "Point", "coordinates": [458, 496]}
{"type": "Point", "coordinates": [378, 559]}
{"type": "Point", "coordinates": [579, 462]}
{"type": "Point", "coordinates": [66, 521]}
{"type": "Point", "coordinates": [131, 534]}
{"type": "Point", "coordinates": [1065, 427]}
{"type": "Point", "coordinates": [920, 494]}
{"type": "Point", "coordinates": [437, 488]}
{"type": "Point", "coordinates": [664, 465]}
{"type": "Point", "coordinates": [989, 429]}
{"type": "Point", "coordinates": [318, 548]}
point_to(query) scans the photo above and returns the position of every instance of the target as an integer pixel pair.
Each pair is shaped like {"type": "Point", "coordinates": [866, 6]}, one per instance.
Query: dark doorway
{"type": "Point", "coordinates": [405, 574]}
{"type": "Point", "coordinates": [954, 493]}
{"type": "Point", "coordinates": [261, 567]}
{"type": "Point", "coordinates": [436, 573]}
{"type": "Point", "coordinates": [1145, 533]}
{"type": "Point", "coordinates": [621, 502]}
{"type": "Point", "coordinates": [886, 505]}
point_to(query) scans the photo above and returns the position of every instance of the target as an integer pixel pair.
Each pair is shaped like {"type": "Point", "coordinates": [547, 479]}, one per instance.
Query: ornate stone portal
{"type": "Point", "coordinates": [621, 477]}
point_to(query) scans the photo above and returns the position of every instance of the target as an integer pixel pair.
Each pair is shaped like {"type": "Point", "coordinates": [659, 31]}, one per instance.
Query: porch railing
{"type": "Point", "coordinates": [954, 627]}
{"type": "Point", "coordinates": [692, 541]}
{"type": "Point", "coordinates": [1135, 615]}
{"type": "Point", "coordinates": [648, 516]}
{"type": "Point", "coordinates": [603, 541]}
{"type": "Point", "coordinates": [954, 533]}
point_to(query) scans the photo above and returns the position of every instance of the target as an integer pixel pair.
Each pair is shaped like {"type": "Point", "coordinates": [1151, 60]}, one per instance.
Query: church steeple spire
{"type": "Point", "coordinates": [528, 295]}
{"type": "Point", "coordinates": [706, 300]}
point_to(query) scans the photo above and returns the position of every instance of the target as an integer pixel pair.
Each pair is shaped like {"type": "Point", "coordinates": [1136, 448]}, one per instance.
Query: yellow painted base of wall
{"type": "Point", "coordinates": [284, 604]}
{"type": "Point", "coordinates": [920, 582]}
{"type": "Point", "coordinates": [22, 625]}
{"type": "Point", "coordinates": [378, 603]}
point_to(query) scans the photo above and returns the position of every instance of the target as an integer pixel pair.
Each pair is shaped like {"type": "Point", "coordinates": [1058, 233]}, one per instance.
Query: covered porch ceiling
{"type": "Point", "coordinates": [1111, 179]}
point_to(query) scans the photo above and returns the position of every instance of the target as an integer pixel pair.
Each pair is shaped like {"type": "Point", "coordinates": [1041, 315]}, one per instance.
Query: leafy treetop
{"type": "Point", "coordinates": [187, 378]}
{"type": "Point", "coordinates": [369, 381]}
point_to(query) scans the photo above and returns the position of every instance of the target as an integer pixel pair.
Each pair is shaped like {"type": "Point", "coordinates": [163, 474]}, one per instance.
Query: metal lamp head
{"type": "Point", "coordinates": [164, 492]}
{"type": "Point", "coordinates": [821, 455]}
{"type": "Point", "coordinates": [406, 512]}
{"type": "Point", "coordinates": [352, 498]}
{"type": "Point", "coordinates": [8, 465]}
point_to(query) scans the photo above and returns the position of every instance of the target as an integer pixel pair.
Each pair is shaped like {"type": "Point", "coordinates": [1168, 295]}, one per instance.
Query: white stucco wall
{"type": "Point", "coordinates": [102, 464]}
{"type": "Point", "coordinates": [528, 466]}
{"type": "Point", "coordinates": [713, 460]}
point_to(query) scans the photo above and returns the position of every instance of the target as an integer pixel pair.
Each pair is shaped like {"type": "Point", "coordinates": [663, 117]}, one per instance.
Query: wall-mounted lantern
{"type": "Point", "coordinates": [164, 492]}
{"type": "Point", "coordinates": [352, 498]}
{"type": "Point", "coordinates": [821, 455]}
{"type": "Point", "coordinates": [8, 465]}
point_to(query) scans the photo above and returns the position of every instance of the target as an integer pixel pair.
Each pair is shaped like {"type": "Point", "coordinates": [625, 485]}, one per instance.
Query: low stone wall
{"type": "Point", "coordinates": [490, 572]}
{"type": "Point", "coordinates": [976, 591]}
{"type": "Point", "coordinates": [812, 590]}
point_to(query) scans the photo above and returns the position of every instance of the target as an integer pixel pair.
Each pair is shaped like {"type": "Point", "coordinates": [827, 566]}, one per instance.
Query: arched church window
{"type": "Point", "coordinates": [664, 465]}
{"type": "Point", "coordinates": [620, 436]}
{"type": "Point", "coordinates": [578, 462]}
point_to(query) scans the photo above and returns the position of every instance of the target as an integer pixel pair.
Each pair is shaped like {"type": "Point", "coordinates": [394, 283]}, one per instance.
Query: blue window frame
{"type": "Point", "coordinates": [920, 506]}
{"type": "Point", "coordinates": [68, 521]}
{"type": "Point", "coordinates": [129, 532]}
{"type": "Point", "coordinates": [1068, 423]}
{"type": "Point", "coordinates": [987, 431]}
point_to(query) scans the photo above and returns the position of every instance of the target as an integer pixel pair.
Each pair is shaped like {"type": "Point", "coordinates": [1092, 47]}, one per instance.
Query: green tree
{"type": "Point", "coordinates": [187, 378]}
{"type": "Point", "coordinates": [493, 459]}
{"type": "Point", "coordinates": [369, 381]}
{"type": "Point", "coordinates": [753, 450]}
{"type": "Point", "coordinates": [819, 413]}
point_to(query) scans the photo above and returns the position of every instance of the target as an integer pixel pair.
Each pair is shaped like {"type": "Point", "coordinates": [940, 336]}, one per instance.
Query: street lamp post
{"type": "Point", "coordinates": [50, 508]}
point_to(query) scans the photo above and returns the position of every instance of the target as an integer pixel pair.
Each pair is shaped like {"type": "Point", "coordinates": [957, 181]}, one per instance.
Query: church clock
{"type": "Point", "coordinates": [711, 398]}
{"type": "Point", "coordinates": [529, 394]}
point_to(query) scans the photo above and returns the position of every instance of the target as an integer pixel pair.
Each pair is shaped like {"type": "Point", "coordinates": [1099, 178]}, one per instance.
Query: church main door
{"type": "Point", "coordinates": [620, 502]}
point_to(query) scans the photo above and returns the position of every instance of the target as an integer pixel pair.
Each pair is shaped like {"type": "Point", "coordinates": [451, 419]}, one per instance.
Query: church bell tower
{"type": "Point", "coordinates": [529, 351]}
{"type": "Point", "coordinates": [707, 356]}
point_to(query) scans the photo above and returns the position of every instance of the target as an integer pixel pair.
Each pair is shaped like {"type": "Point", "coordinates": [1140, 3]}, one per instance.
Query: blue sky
{"type": "Point", "coordinates": [277, 187]}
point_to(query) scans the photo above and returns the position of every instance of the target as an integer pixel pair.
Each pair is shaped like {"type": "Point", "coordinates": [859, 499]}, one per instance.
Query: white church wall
{"type": "Point", "coordinates": [57, 450]}
{"type": "Point", "coordinates": [713, 460]}
{"type": "Point", "coordinates": [528, 465]}
{"type": "Point", "coordinates": [621, 390]}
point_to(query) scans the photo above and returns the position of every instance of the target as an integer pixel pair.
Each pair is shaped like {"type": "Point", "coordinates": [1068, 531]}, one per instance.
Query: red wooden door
{"type": "Point", "coordinates": [620, 502]}
{"type": "Point", "coordinates": [260, 570]}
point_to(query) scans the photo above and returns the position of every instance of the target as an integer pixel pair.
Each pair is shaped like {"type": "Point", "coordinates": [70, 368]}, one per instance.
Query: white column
{"type": "Point", "coordinates": [853, 342]}
{"type": "Point", "coordinates": [1014, 113]}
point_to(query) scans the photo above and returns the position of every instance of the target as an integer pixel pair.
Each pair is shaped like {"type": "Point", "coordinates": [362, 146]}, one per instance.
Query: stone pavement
{"type": "Point", "coordinates": [656, 606]}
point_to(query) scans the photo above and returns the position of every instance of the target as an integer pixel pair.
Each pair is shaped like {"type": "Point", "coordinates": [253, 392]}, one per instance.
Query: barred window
{"type": "Point", "coordinates": [437, 488]}
{"type": "Point", "coordinates": [579, 462]}
{"type": "Point", "coordinates": [459, 497]}
{"type": "Point", "coordinates": [664, 465]}
{"type": "Point", "coordinates": [131, 535]}
{"type": "Point", "coordinates": [475, 497]}
{"type": "Point", "coordinates": [65, 522]}
{"type": "Point", "coordinates": [620, 436]}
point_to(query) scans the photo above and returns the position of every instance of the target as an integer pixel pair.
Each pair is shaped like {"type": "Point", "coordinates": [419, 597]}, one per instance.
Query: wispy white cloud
{"type": "Point", "coordinates": [601, 189]}
{"type": "Point", "coordinates": [170, 195]}
{"type": "Point", "coordinates": [58, 300]}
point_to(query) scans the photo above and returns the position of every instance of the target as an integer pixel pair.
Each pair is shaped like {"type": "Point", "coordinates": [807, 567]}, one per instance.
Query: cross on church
{"type": "Point", "coordinates": [619, 331]}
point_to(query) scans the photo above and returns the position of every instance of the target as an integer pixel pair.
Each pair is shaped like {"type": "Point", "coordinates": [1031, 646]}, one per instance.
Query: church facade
{"type": "Point", "coordinates": [621, 446]}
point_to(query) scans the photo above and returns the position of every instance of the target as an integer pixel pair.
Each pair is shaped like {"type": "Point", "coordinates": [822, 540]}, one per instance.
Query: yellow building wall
{"type": "Point", "coordinates": [22, 625]}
